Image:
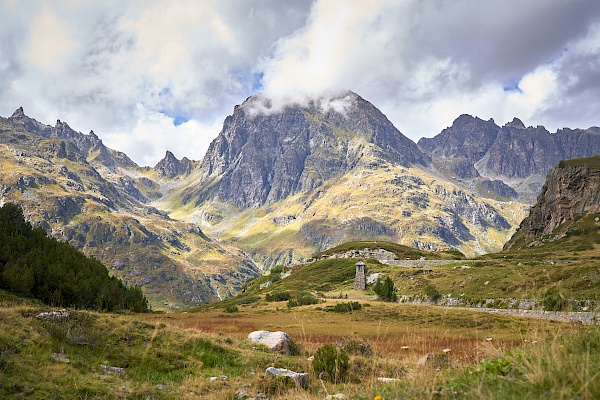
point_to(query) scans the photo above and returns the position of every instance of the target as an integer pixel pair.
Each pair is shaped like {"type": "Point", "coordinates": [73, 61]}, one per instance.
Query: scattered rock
{"type": "Point", "coordinates": [423, 360]}
{"type": "Point", "coordinates": [160, 386]}
{"type": "Point", "coordinates": [241, 394]}
{"type": "Point", "coordinates": [61, 357]}
{"type": "Point", "coordinates": [53, 315]}
{"type": "Point", "coordinates": [388, 380]}
{"type": "Point", "coordinates": [265, 285]}
{"type": "Point", "coordinates": [113, 370]}
{"type": "Point", "coordinates": [259, 396]}
{"type": "Point", "coordinates": [301, 378]}
{"type": "Point", "coordinates": [372, 278]}
{"type": "Point", "coordinates": [337, 396]}
{"type": "Point", "coordinates": [276, 341]}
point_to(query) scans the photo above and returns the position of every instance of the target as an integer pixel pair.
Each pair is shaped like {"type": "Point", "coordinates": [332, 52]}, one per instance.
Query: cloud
{"type": "Point", "coordinates": [92, 63]}
{"type": "Point", "coordinates": [50, 41]}
{"type": "Point", "coordinates": [426, 62]}
{"type": "Point", "coordinates": [132, 70]}
{"type": "Point", "coordinates": [155, 132]}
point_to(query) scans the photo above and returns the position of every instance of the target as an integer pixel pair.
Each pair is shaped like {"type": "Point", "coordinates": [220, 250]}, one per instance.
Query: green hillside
{"type": "Point", "coordinates": [34, 265]}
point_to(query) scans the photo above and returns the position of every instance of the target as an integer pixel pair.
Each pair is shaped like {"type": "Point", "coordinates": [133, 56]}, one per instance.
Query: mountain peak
{"type": "Point", "coordinates": [515, 123]}
{"type": "Point", "coordinates": [268, 150]}
{"type": "Point", "coordinates": [18, 113]}
{"type": "Point", "coordinates": [171, 167]}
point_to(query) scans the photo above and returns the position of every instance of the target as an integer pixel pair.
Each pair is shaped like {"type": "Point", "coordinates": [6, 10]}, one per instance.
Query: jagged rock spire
{"type": "Point", "coordinates": [516, 123]}
{"type": "Point", "coordinates": [18, 113]}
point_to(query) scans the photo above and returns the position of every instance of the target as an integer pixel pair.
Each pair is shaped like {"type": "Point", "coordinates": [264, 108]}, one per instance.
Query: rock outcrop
{"type": "Point", "coordinates": [572, 189]}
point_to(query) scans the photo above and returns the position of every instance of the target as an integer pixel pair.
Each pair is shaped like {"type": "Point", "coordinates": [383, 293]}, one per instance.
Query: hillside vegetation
{"type": "Point", "coordinates": [34, 265]}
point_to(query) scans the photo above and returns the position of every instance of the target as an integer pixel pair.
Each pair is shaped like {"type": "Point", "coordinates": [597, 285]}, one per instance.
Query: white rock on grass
{"type": "Point", "coordinates": [337, 396]}
{"type": "Point", "coordinates": [301, 378]}
{"type": "Point", "coordinates": [388, 380]}
{"type": "Point", "coordinates": [53, 315]}
{"type": "Point", "coordinates": [276, 341]}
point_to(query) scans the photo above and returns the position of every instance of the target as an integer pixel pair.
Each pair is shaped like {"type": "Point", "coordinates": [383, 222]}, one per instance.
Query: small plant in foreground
{"type": "Point", "coordinates": [331, 363]}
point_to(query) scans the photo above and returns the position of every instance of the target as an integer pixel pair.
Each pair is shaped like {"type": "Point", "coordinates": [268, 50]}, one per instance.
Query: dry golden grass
{"type": "Point", "coordinates": [387, 327]}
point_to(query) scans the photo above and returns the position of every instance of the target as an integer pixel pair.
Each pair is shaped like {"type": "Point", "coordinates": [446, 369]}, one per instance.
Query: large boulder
{"type": "Point", "coordinates": [276, 341]}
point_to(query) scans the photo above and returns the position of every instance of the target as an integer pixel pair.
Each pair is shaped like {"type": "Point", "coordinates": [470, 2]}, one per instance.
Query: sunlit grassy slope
{"type": "Point", "coordinates": [373, 201]}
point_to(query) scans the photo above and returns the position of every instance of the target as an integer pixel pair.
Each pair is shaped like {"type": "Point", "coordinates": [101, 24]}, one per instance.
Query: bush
{"type": "Point", "coordinates": [232, 308]}
{"type": "Point", "coordinates": [302, 299]}
{"type": "Point", "coordinates": [355, 347]}
{"type": "Point", "coordinates": [432, 294]}
{"type": "Point", "coordinates": [554, 300]}
{"type": "Point", "coordinates": [278, 296]}
{"type": "Point", "coordinates": [345, 307]}
{"type": "Point", "coordinates": [275, 274]}
{"type": "Point", "coordinates": [331, 363]}
{"type": "Point", "coordinates": [385, 290]}
{"type": "Point", "coordinates": [249, 300]}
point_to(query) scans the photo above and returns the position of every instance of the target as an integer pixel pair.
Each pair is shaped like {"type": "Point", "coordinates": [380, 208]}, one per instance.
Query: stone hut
{"type": "Point", "coordinates": [360, 278]}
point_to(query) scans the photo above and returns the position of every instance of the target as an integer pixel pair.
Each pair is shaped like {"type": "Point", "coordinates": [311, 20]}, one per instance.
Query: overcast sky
{"type": "Point", "coordinates": [150, 76]}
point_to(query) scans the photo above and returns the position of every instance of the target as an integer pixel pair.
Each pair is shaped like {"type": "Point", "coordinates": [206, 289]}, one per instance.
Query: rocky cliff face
{"type": "Point", "coordinates": [572, 190]}
{"type": "Point", "coordinates": [464, 143]}
{"type": "Point", "coordinates": [262, 156]}
{"type": "Point", "coordinates": [472, 148]}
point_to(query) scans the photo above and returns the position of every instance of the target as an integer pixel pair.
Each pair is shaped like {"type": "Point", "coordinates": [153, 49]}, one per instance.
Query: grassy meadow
{"type": "Point", "coordinates": [205, 353]}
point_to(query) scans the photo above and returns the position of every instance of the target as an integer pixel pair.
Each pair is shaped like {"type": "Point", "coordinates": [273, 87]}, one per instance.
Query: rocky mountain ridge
{"type": "Point", "coordinates": [97, 199]}
{"type": "Point", "coordinates": [477, 152]}
{"type": "Point", "coordinates": [275, 187]}
{"type": "Point", "coordinates": [331, 171]}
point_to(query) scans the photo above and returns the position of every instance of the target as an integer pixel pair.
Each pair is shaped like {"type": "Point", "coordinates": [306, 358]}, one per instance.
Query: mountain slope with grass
{"type": "Point", "coordinates": [96, 199]}
{"type": "Point", "coordinates": [285, 184]}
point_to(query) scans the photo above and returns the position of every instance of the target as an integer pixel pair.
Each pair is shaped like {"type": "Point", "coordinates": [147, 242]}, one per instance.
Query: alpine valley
{"type": "Point", "coordinates": [276, 187]}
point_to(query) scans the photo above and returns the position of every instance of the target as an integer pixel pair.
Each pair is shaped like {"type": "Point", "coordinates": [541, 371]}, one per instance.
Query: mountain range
{"type": "Point", "coordinates": [275, 187]}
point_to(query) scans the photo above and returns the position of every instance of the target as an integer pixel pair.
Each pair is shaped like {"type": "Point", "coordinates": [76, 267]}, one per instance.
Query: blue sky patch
{"type": "Point", "coordinates": [180, 119]}
{"type": "Point", "coordinates": [512, 85]}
